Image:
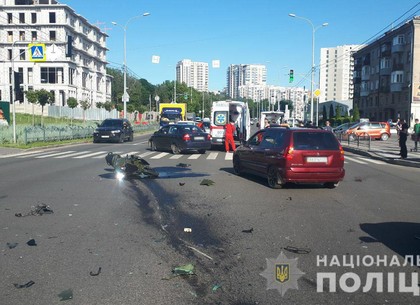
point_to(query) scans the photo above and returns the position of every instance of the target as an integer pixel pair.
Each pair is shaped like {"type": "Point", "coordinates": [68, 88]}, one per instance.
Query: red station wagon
{"type": "Point", "coordinates": [298, 155]}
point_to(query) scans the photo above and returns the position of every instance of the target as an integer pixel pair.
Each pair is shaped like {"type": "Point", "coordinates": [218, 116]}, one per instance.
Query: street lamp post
{"type": "Point", "coordinates": [126, 97]}
{"type": "Point", "coordinates": [313, 62]}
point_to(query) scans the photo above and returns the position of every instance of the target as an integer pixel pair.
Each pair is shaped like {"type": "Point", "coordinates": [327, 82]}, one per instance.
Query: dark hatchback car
{"type": "Point", "coordinates": [180, 137]}
{"type": "Point", "coordinates": [298, 155]}
{"type": "Point", "coordinates": [113, 130]}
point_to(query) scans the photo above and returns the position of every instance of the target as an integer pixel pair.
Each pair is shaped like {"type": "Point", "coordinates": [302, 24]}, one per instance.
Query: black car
{"type": "Point", "coordinates": [180, 137]}
{"type": "Point", "coordinates": [113, 130]}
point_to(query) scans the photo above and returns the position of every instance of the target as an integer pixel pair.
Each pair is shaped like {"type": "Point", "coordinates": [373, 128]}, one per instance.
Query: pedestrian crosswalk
{"type": "Point", "coordinates": [152, 155]}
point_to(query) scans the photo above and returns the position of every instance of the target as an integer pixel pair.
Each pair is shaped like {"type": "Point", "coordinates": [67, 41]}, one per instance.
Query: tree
{"type": "Point", "coordinates": [99, 105]}
{"type": "Point", "coordinates": [85, 106]}
{"type": "Point", "coordinates": [324, 113]}
{"type": "Point", "coordinates": [356, 113]}
{"type": "Point", "coordinates": [44, 97]}
{"type": "Point", "coordinates": [331, 111]}
{"type": "Point", "coordinates": [32, 97]}
{"type": "Point", "coordinates": [72, 103]}
{"type": "Point", "coordinates": [108, 106]}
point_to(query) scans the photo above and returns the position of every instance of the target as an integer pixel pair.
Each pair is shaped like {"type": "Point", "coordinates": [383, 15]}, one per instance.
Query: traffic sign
{"type": "Point", "coordinates": [37, 52]}
{"type": "Point", "coordinates": [125, 97]}
{"type": "Point", "coordinates": [317, 92]}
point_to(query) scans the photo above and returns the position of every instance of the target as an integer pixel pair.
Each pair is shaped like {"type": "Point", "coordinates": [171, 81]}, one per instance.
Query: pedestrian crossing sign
{"type": "Point", "coordinates": [37, 52]}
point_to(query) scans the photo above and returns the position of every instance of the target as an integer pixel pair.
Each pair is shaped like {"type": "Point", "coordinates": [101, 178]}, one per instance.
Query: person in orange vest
{"type": "Point", "coordinates": [229, 131]}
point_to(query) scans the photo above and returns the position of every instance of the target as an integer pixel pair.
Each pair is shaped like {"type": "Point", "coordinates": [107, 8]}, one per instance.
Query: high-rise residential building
{"type": "Point", "coordinates": [242, 75]}
{"type": "Point", "coordinates": [387, 75]}
{"type": "Point", "coordinates": [193, 74]}
{"type": "Point", "coordinates": [336, 73]}
{"type": "Point", "coordinates": [81, 74]}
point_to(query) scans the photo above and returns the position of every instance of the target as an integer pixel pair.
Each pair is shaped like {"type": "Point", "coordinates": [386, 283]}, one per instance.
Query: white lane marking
{"type": "Point", "coordinates": [212, 156]}
{"type": "Point", "coordinates": [144, 142]}
{"type": "Point", "coordinates": [229, 156]}
{"type": "Point", "coordinates": [175, 157]}
{"type": "Point", "coordinates": [194, 156]}
{"type": "Point", "coordinates": [373, 161]}
{"type": "Point", "coordinates": [103, 156]}
{"type": "Point", "coordinates": [132, 153]}
{"type": "Point", "coordinates": [73, 154]}
{"type": "Point", "coordinates": [23, 154]}
{"type": "Point", "coordinates": [90, 155]}
{"type": "Point", "coordinates": [148, 153]}
{"type": "Point", "coordinates": [159, 156]}
{"type": "Point", "coordinates": [36, 154]}
{"type": "Point", "coordinates": [355, 160]}
{"type": "Point", "coordinates": [56, 154]}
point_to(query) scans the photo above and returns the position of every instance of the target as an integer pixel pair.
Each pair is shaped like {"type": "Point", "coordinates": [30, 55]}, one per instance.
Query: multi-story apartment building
{"type": "Point", "coordinates": [387, 75]}
{"type": "Point", "coordinates": [194, 74]}
{"type": "Point", "coordinates": [336, 73]}
{"type": "Point", "coordinates": [81, 74]}
{"type": "Point", "coordinates": [242, 75]}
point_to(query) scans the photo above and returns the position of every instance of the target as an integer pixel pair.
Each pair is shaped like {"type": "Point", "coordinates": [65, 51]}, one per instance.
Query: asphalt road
{"type": "Point", "coordinates": [134, 230]}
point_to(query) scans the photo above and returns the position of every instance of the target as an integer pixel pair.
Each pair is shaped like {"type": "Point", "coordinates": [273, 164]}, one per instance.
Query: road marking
{"type": "Point", "coordinates": [159, 156]}
{"type": "Point", "coordinates": [36, 154]}
{"type": "Point", "coordinates": [194, 156]}
{"type": "Point", "coordinates": [20, 154]}
{"type": "Point", "coordinates": [146, 154]}
{"type": "Point", "coordinates": [132, 153]}
{"type": "Point", "coordinates": [212, 156]}
{"type": "Point", "coordinates": [373, 161]}
{"type": "Point", "coordinates": [229, 156]}
{"type": "Point", "coordinates": [53, 155]}
{"type": "Point", "coordinates": [176, 157]}
{"type": "Point", "coordinates": [103, 156]}
{"type": "Point", "coordinates": [90, 155]}
{"type": "Point", "coordinates": [73, 154]}
{"type": "Point", "coordinates": [355, 160]}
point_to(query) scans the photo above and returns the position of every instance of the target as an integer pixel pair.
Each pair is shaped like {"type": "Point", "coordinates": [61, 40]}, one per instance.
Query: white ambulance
{"type": "Point", "coordinates": [221, 113]}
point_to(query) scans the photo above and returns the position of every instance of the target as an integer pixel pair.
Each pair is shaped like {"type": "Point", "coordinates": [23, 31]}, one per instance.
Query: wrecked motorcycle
{"type": "Point", "coordinates": [130, 166]}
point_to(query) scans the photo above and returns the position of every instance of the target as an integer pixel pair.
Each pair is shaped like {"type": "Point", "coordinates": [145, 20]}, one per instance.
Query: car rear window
{"type": "Point", "coordinates": [112, 123]}
{"type": "Point", "coordinates": [190, 129]}
{"type": "Point", "coordinates": [314, 141]}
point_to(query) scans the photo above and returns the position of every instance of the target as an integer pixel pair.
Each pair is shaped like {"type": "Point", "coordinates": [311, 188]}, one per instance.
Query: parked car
{"type": "Point", "coordinates": [375, 130]}
{"type": "Point", "coordinates": [342, 128]}
{"type": "Point", "coordinates": [113, 130]}
{"type": "Point", "coordinates": [180, 137]}
{"type": "Point", "coordinates": [298, 155]}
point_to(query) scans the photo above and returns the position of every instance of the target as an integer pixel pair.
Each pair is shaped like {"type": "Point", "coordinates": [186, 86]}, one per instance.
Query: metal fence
{"type": "Point", "coordinates": [362, 141]}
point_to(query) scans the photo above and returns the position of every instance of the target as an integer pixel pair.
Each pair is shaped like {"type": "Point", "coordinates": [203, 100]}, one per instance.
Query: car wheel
{"type": "Point", "coordinates": [153, 146]}
{"type": "Point", "coordinates": [331, 185]}
{"type": "Point", "coordinates": [201, 151]}
{"type": "Point", "coordinates": [384, 136]}
{"type": "Point", "coordinates": [175, 149]}
{"type": "Point", "coordinates": [131, 138]}
{"type": "Point", "coordinates": [237, 166]}
{"type": "Point", "coordinates": [95, 141]}
{"type": "Point", "coordinates": [273, 178]}
{"type": "Point", "coordinates": [121, 139]}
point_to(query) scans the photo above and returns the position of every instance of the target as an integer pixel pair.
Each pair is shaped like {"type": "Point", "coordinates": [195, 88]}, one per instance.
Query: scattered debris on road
{"type": "Point", "coordinates": [31, 242]}
{"type": "Point", "coordinates": [297, 250]}
{"type": "Point", "coordinates": [187, 230]}
{"type": "Point", "coordinates": [66, 295]}
{"type": "Point", "coordinates": [207, 182]}
{"type": "Point", "coordinates": [184, 270]}
{"type": "Point", "coordinates": [27, 285]}
{"type": "Point", "coordinates": [38, 210]}
{"type": "Point", "coordinates": [12, 245]}
{"type": "Point", "coordinates": [248, 231]}
{"type": "Point", "coordinates": [358, 179]}
{"type": "Point", "coordinates": [182, 183]}
{"type": "Point", "coordinates": [200, 252]}
{"type": "Point", "coordinates": [183, 165]}
{"type": "Point", "coordinates": [216, 287]}
{"type": "Point", "coordinates": [97, 273]}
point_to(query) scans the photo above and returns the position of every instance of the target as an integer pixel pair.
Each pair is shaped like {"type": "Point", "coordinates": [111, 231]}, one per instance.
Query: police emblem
{"type": "Point", "coordinates": [282, 273]}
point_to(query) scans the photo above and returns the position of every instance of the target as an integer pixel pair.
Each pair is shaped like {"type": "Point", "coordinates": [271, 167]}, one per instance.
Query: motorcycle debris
{"type": "Point", "coordinates": [187, 230]}
{"type": "Point", "coordinates": [297, 250]}
{"type": "Point", "coordinates": [183, 165]}
{"type": "Point", "coordinates": [97, 273]}
{"type": "Point", "coordinates": [184, 270]}
{"type": "Point", "coordinates": [248, 231]}
{"type": "Point", "coordinates": [31, 242]}
{"type": "Point", "coordinates": [39, 210]}
{"type": "Point", "coordinates": [12, 245]}
{"type": "Point", "coordinates": [27, 285]}
{"type": "Point", "coordinates": [66, 295]}
{"type": "Point", "coordinates": [207, 182]}
{"type": "Point", "coordinates": [182, 183]}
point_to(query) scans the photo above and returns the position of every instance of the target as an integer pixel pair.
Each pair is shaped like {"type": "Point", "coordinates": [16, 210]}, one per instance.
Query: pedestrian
{"type": "Point", "coordinates": [416, 135]}
{"type": "Point", "coordinates": [229, 131]}
{"type": "Point", "coordinates": [266, 123]}
{"type": "Point", "coordinates": [403, 139]}
{"type": "Point", "coordinates": [398, 126]}
{"type": "Point", "coordinates": [327, 126]}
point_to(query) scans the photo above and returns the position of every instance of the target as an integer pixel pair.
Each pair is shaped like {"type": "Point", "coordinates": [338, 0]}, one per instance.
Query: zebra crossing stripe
{"type": "Point", "coordinates": [53, 155]}
{"type": "Point", "coordinates": [104, 155]}
{"type": "Point", "coordinates": [35, 154]}
{"type": "Point", "coordinates": [21, 154]}
{"type": "Point", "coordinates": [73, 154]}
{"type": "Point", "coordinates": [229, 156]}
{"type": "Point", "coordinates": [194, 157]}
{"type": "Point", "coordinates": [212, 156]}
{"type": "Point", "coordinates": [374, 161]}
{"type": "Point", "coordinates": [90, 155]}
{"type": "Point", "coordinates": [355, 160]}
{"type": "Point", "coordinates": [159, 156]}
{"type": "Point", "coordinates": [146, 154]}
{"type": "Point", "coordinates": [175, 157]}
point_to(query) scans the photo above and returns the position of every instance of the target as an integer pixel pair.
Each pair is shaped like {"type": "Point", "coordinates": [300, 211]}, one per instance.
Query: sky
{"type": "Point", "coordinates": [236, 32]}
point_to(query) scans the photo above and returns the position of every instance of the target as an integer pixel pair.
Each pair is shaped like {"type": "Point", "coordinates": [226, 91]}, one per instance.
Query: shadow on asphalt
{"type": "Point", "coordinates": [401, 237]}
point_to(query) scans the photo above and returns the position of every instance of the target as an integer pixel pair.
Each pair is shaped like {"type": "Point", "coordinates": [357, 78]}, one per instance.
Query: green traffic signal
{"type": "Point", "coordinates": [291, 76]}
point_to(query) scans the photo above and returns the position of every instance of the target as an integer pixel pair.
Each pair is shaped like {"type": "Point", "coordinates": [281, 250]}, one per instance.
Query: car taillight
{"type": "Point", "coordinates": [209, 137]}
{"type": "Point", "coordinates": [186, 137]}
{"type": "Point", "coordinates": [341, 153]}
{"type": "Point", "coordinates": [288, 154]}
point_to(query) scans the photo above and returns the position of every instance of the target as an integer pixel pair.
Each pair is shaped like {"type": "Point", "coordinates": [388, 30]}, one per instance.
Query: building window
{"type": "Point", "coordinates": [52, 17]}
{"type": "Point", "coordinates": [9, 18]}
{"type": "Point", "coordinates": [385, 63]}
{"type": "Point", "coordinates": [51, 75]}
{"type": "Point", "coordinates": [22, 54]}
{"type": "Point", "coordinates": [398, 40]}
{"type": "Point", "coordinates": [33, 18]}
{"type": "Point", "coordinates": [34, 35]}
{"type": "Point", "coordinates": [22, 35]}
{"type": "Point", "coordinates": [397, 77]}
{"type": "Point", "coordinates": [53, 36]}
{"type": "Point", "coordinates": [9, 36]}
{"type": "Point", "coordinates": [21, 17]}
{"type": "Point", "coordinates": [71, 76]}
{"type": "Point", "coordinates": [30, 76]}
{"type": "Point", "coordinates": [84, 79]}
{"type": "Point", "coordinates": [9, 54]}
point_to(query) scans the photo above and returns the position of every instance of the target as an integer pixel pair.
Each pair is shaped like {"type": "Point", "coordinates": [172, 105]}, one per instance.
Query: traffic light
{"type": "Point", "coordinates": [185, 96]}
{"type": "Point", "coordinates": [291, 76]}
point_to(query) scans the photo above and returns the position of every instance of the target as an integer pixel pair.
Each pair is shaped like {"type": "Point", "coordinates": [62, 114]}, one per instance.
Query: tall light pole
{"type": "Point", "coordinates": [313, 62]}
{"type": "Point", "coordinates": [126, 97]}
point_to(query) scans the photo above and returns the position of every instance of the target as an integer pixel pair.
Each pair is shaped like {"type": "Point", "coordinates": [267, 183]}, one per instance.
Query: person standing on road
{"type": "Point", "coordinates": [328, 127]}
{"type": "Point", "coordinates": [416, 133]}
{"type": "Point", "coordinates": [403, 139]}
{"type": "Point", "coordinates": [229, 131]}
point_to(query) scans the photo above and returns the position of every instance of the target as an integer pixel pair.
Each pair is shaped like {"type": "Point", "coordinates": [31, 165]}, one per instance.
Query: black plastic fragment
{"type": "Point", "coordinates": [97, 273]}
{"type": "Point", "coordinates": [27, 285]}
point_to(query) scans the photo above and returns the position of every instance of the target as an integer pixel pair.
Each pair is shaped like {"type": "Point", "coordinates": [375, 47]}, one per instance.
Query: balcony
{"type": "Point", "coordinates": [385, 71]}
{"type": "Point", "coordinates": [365, 76]}
{"type": "Point", "coordinates": [396, 87]}
{"type": "Point", "coordinates": [364, 92]}
{"type": "Point", "coordinates": [397, 67]}
{"type": "Point", "coordinates": [398, 48]}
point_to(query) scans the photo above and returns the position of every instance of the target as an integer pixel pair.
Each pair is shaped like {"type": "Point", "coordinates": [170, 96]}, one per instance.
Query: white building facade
{"type": "Point", "coordinates": [336, 73]}
{"type": "Point", "coordinates": [81, 74]}
{"type": "Point", "coordinates": [193, 74]}
{"type": "Point", "coordinates": [243, 75]}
